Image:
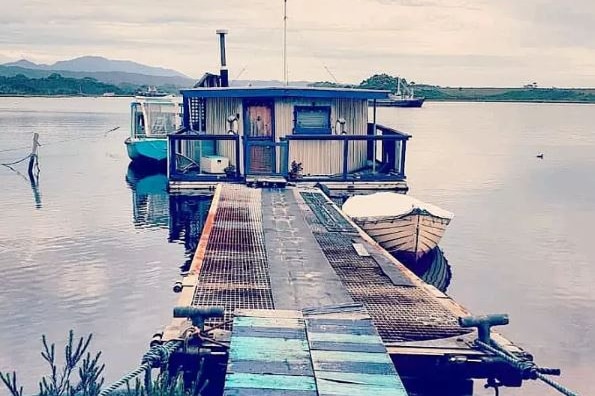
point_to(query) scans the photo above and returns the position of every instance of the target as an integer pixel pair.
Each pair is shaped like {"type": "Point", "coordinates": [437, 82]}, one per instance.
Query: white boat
{"type": "Point", "coordinates": [399, 223]}
{"type": "Point", "coordinates": [152, 118]}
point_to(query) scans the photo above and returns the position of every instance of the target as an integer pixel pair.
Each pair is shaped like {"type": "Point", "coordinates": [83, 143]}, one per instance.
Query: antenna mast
{"type": "Point", "coordinates": [285, 74]}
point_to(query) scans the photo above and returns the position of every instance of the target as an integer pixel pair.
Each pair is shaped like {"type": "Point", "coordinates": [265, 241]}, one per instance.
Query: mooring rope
{"type": "Point", "coordinates": [157, 355]}
{"type": "Point", "coordinates": [97, 136]}
{"type": "Point", "coordinates": [529, 367]}
{"type": "Point", "coordinates": [16, 162]}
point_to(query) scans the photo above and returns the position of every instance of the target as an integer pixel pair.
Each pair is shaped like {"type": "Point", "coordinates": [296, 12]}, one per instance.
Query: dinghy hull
{"type": "Point", "coordinates": [414, 233]}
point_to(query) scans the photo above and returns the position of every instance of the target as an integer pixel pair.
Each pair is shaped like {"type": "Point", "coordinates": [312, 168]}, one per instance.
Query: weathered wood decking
{"type": "Point", "coordinates": [293, 250]}
{"type": "Point", "coordinates": [329, 351]}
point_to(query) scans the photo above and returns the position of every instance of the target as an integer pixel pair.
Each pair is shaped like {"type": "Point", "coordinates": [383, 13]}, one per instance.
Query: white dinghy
{"type": "Point", "coordinates": [399, 223]}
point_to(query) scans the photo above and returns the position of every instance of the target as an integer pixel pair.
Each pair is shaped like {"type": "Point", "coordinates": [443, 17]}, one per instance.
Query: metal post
{"type": "Point", "coordinates": [403, 153]}
{"type": "Point", "coordinates": [186, 114]}
{"type": "Point", "coordinates": [171, 157]}
{"type": "Point", "coordinates": [224, 71]}
{"type": "Point", "coordinates": [345, 155]}
{"type": "Point", "coordinates": [374, 134]}
{"type": "Point", "coordinates": [285, 74]}
{"type": "Point", "coordinates": [237, 142]}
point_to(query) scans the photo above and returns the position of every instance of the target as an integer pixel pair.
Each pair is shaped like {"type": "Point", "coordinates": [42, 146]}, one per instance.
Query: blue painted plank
{"type": "Point", "coordinates": [267, 392]}
{"type": "Point", "coordinates": [268, 313]}
{"type": "Point", "coordinates": [350, 338]}
{"type": "Point", "coordinates": [333, 388]}
{"type": "Point", "coordinates": [373, 380]}
{"type": "Point", "coordinates": [347, 347]}
{"type": "Point", "coordinates": [287, 367]}
{"type": "Point", "coordinates": [361, 357]}
{"type": "Point", "coordinates": [291, 323]}
{"type": "Point", "coordinates": [351, 323]}
{"type": "Point", "coordinates": [315, 326]}
{"type": "Point", "coordinates": [258, 381]}
{"type": "Point", "coordinates": [270, 332]}
{"type": "Point", "coordinates": [269, 349]}
{"type": "Point", "coordinates": [356, 367]}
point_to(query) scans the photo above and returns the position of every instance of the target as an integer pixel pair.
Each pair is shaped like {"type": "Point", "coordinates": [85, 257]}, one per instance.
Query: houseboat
{"type": "Point", "coordinates": [314, 135]}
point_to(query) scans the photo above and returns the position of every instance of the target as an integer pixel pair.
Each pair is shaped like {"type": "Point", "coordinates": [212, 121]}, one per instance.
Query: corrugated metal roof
{"type": "Point", "coordinates": [283, 92]}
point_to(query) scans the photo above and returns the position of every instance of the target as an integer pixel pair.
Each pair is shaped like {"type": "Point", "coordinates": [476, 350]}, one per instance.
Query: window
{"type": "Point", "coordinates": [313, 120]}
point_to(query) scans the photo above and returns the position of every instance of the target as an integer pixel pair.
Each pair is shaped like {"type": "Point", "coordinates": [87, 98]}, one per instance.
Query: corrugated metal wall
{"type": "Point", "coordinates": [317, 157]}
{"type": "Point", "coordinates": [325, 157]}
{"type": "Point", "coordinates": [218, 110]}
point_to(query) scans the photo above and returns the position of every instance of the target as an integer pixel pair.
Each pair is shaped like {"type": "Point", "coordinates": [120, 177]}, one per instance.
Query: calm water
{"type": "Point", "coordinates": [97, 247]}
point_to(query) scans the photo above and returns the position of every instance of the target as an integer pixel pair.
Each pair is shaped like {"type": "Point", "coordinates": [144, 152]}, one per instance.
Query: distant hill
{"type": "Point", "coordinates": [117, 78]}
{"type": "Point", "coordinates": [55, 84]}
{"type": "Point", "coordinates": [99, 64]}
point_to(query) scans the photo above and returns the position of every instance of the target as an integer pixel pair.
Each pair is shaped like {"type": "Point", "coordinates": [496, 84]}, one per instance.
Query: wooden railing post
{"type": "Point", "coordinates": [345, 156]}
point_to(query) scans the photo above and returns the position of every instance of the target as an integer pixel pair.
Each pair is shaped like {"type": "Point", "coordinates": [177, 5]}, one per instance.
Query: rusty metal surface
{"type": "Point", "coordinates": [326, 214]}
{"type": "Point", "coordinates": [235, 272]}
{"type": "Point", "coordinates": [401, 312]}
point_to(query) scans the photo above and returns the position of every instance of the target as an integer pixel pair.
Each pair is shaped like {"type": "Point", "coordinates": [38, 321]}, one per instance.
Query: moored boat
{"type": "Point", "coordinates": [152, 118]}
{"type": "Point", "coordinates": [404, 97]}
{"type": "Point", "coordinates": [399, 223]}
{"type": "Point", "coordinates": [395, 101]}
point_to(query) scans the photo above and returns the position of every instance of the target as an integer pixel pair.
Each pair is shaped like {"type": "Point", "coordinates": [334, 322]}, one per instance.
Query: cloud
{"type": "Point", "coordinates": [448, 42]}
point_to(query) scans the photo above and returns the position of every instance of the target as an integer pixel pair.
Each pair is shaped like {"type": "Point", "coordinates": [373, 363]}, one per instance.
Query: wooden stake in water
{"type": "Point", "coordinates": [33, 163]}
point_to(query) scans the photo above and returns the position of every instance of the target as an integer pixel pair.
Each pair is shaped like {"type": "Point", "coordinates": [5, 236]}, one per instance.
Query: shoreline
{"type": "Point", "coordinates": [452, 100]}
{"type": "Point", "coordinates": [63, 96]}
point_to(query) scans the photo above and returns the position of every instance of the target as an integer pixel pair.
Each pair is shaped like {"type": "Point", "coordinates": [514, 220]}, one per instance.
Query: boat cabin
{"type": "Point", "coordinates": [301, 134]}
{"type": "Point", "coordinates": [154, 117]}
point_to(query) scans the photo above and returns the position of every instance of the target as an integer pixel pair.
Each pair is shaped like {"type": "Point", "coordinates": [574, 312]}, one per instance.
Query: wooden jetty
{"type": "Point", "coordinates": [273, 258]}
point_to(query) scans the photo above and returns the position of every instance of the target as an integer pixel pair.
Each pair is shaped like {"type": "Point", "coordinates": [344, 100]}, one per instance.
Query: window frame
{"type": "Point", "coordinates": [312, 131]}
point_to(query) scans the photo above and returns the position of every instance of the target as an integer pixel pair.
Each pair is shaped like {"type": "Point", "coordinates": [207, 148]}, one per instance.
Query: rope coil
{"type": "Point", "coordinates": [528, 368]}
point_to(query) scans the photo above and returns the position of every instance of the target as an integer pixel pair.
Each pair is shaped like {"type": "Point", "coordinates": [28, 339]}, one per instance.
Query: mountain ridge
{"type": "Point", "coordinates": [92, 63]}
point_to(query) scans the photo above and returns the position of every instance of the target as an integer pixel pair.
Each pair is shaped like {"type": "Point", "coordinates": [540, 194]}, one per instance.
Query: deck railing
{"type": "Point", "coordinates": [187, 153]}
{"type": "Point", "coordinates": [377, 156]}
{"type": "Point", "coordinates": [372, 157]}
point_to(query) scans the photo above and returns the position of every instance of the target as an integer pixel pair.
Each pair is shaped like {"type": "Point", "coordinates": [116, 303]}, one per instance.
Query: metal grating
{"type": "Point", "coordinates": [327, 215]}
{"type": "Point", "coordinates": [400, 313]}
{"type": "Point", "coordinates": [235, 271]}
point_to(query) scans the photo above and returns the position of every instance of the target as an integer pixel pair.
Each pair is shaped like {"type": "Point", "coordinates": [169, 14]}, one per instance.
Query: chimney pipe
{"type": "Point", "coordinates": [224, 71]}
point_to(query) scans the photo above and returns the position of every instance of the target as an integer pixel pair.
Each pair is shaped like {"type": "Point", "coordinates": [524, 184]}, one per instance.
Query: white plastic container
{"type": "Point", "coordinates": [213, 164]}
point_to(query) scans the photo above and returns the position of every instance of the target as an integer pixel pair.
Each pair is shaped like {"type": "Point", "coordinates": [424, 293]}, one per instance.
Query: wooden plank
{"type": "Point", "coordinates": [326, 387]}
{"type": "Point", "coordinates": [264, 381]}
{"type": "Point", "coordinates": [361, 250]}
{"type": "Point", "coordinates": [269, 349]}
{"type": "Point", "coordinates": [268, 313]}
{"type": "Point", "coordinates": [288, 323]}
{"type": "Point", "coordinates": [359, 357]}
{"type": "Point", "coordinates": [348, 338]}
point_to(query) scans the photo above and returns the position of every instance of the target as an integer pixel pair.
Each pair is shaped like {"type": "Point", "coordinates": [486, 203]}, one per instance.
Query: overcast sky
{"type": "Point", "coordinates": [444, 42]}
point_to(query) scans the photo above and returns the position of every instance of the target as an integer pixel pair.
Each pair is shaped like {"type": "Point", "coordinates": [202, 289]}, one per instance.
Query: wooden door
{"type": "Point", "coordinates": [260, 138]}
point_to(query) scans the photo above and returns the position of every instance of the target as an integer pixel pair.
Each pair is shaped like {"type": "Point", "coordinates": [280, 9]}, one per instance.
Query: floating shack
{"type": "Point", "coordinates": [298, 134]}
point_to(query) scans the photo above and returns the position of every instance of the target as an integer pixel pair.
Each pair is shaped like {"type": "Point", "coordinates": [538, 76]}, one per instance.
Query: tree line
{"type": "Point", "coordinates": [56, 84]}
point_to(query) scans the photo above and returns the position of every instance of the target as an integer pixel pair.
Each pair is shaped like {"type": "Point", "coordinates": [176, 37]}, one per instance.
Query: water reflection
{"type": "Point", "coordinates": [187, 217]}
{"type": "Point", "coordinates": [432, 268]}
{"type": "Point", "coordinates": [152, 206]}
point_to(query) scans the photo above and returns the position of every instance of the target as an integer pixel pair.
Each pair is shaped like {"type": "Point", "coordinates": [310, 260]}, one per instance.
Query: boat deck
{"type": "Point", "coordinates": [292, 249]}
